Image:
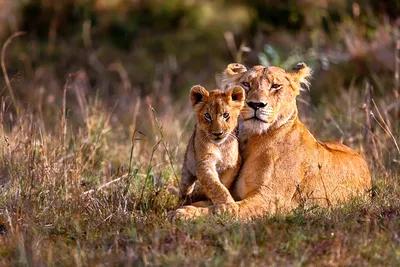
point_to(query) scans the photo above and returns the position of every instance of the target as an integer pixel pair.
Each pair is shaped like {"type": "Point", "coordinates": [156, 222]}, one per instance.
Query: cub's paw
{"type": "Point", "coordinates": [230, 208]}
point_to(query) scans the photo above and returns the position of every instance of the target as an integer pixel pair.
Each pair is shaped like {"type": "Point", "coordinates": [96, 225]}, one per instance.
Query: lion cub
{"type": "Point", "coordinates": [212, 155]}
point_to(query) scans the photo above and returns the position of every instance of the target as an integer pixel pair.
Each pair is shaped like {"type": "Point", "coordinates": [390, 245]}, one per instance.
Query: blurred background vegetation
{"type": "Point", "coordinates": [132, 48]}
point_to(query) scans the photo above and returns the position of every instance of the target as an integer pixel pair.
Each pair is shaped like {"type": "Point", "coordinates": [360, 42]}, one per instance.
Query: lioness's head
{"type": "Point", "coordinates": [270, 93]}
{"type": "Point", "coordinates": [217, 111]}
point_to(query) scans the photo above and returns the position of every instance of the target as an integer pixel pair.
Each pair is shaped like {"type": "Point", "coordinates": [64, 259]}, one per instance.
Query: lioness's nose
{"type": "Point", "coordinates": [256, 105]}
{"type": "Point", "coordinates": [217, 134]}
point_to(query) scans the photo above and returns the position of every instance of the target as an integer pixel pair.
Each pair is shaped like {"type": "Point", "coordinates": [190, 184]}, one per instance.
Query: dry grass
{"type": "Point", "coordinates": [84, 179]}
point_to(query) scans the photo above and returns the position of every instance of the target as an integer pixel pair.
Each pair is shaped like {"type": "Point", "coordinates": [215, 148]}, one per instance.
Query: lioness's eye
{"type": "Point", "coordinates": [225, 116]}
{"type": "Point", "coordinates": [276, 87]}
{"type": "Point", "coordinates": [246, 84]}
{"type": "Point", "coordinates": [207, 116]}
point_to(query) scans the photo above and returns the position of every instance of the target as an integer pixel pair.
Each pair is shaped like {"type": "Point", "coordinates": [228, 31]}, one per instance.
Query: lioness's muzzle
{"type": "Point", "coordinates": [256, 104]}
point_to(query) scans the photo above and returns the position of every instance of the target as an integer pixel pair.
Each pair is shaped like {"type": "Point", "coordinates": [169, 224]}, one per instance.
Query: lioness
{"type": "Point", "coordinates": [212, 155]}
{"type": "Point", "coordinates": [284, 166]}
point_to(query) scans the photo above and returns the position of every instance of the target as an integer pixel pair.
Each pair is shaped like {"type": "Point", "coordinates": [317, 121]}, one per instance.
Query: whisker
{"type": "Point", "coordinates": [233, 135]}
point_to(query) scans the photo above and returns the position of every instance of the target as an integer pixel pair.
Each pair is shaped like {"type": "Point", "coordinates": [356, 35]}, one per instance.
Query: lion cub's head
{"type": "Point", "coordinates": [270, 93]}
{"type": "Point", "coordinates": [217, 111]}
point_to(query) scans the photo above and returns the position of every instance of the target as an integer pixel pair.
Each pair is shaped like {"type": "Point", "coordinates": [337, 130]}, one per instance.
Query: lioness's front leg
{"type": "Point", "coordinates": [189, 212]}
{"type": "Point", "coordinates": [255, 205]}
{"type": "Point", "coordinates": [207, 175]}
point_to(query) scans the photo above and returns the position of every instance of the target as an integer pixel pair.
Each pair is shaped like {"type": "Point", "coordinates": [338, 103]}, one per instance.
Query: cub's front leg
{"type": "Point", "coordinates": [208, 176]}
{"type": "Point", "coordinates": [229, 175]}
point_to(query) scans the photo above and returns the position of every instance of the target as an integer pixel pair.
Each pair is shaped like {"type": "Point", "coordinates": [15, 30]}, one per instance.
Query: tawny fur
{"type": "Point", "coordinates": [213, 160]}
{"type": "Point", "coordinates": [284, 166]}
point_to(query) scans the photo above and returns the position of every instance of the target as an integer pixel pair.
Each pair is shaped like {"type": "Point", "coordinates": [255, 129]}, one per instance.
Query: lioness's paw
{"type": "Point", "coordinates": [187, 213]}
{"type": "Point", "coordinates": [178, 214]}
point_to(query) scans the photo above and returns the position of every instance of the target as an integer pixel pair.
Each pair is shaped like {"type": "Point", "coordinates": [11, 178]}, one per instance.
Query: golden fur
{"type": "Point", "coordinates": [284, 166]}
{"type": "Point", "coordinates": [212, 155]}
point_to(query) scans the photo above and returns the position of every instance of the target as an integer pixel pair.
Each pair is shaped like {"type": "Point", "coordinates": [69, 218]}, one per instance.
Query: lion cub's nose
{"type": "Point", "coordinates": [217, 134]}
{"type": "Point", "coordinates": [256, 105]}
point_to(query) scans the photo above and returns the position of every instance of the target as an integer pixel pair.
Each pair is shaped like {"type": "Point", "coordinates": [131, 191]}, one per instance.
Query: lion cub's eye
{"type": "Point", "coordinates": [207, 116]}
{"type": "Point", "coordinates": [225, 116]}
{"type": "Point", "coordinates": [276, 87]}
{"type": "Point", "coordinates": [246, 84]}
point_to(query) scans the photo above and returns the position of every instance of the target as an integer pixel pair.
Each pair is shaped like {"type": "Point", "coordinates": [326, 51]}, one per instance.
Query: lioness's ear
{"type": "Point", "coordinates": [301, 74]}
{"type": "Point", "coordinates": [232, 75]}
{"type": "Point", "coordinates": [236, 93]}
{"type": "Point", "coordinates": [198, 94]}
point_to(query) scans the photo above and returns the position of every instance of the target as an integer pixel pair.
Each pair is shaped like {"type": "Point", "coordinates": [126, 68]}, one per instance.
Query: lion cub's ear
{"type": "Point", "coordinates": [232, 75]}
{"type": "Point", "coordinates": [300, 74]}
{"type": "Point", "coordinates": [236, 94]}
{"type": "Point", "coordinates": [198, 94]}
